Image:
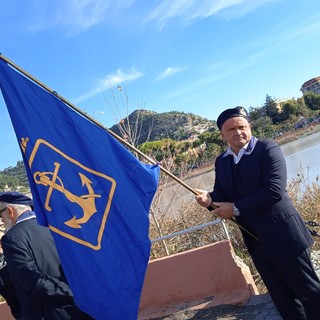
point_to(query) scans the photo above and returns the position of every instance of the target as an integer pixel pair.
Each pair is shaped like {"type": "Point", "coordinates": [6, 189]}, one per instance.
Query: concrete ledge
{"type": "Point", "coordinates": [199, 278]}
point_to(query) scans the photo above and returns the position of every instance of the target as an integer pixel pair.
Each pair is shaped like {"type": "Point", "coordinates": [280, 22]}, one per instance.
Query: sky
{"type": "Point", "coordinates": [110, 58]}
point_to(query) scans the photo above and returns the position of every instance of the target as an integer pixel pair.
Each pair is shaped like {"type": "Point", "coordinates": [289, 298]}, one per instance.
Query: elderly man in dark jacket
{"type": "Point", "coordinates": [250, 186]}
{"type": "Point", "coordinates": [33, 263]}
{"type": "Point", "coordinates": [6, 286]}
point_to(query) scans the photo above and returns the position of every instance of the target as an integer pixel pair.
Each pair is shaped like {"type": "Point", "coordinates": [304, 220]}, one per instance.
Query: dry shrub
{"type": "Point", "coordinates": [189, 216]}
{"type": "Point", "coordinates": [306, 198]}
{"type": "Point", "coordinates": [293, 135]}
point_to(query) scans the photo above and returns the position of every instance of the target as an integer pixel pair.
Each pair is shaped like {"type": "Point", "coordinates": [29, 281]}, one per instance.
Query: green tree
{"type": "Point", "coordinates": [159, 149]}
{"type": "Point", "coordinates": [9, 181]}
{"type": "Point", "coordinates": [211, 138]}
{"type": "Point", "coordinates": [14, 177]}
{"type": "Point", "coordinates": [256, 113]}
{"type": "Point", "coordinates": [290, 107]}
{"type": "Point", "coordinates": [271, 109]}
{"type": "Point", "coordinates": [263, 127]}
{"type": "Point", "coordinates": [312, 100]}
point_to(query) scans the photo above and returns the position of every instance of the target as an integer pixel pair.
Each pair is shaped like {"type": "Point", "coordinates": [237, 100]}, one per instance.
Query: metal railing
{"type": "Point", "coordinates": [201, 226]}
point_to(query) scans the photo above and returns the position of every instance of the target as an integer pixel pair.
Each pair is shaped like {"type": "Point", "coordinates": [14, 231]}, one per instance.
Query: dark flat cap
{"type": "Point", "coordinates": [15, 198]}
{"type": "Point", "coordinates": [231, 113]}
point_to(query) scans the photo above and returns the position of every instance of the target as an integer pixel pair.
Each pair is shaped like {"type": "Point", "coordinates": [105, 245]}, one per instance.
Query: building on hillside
{"type": "Point", "coordinates": [311, 85]}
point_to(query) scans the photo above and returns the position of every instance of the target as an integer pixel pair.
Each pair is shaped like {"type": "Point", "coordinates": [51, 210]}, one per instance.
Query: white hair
{"type": "Point", "coordinates": [18, 208]}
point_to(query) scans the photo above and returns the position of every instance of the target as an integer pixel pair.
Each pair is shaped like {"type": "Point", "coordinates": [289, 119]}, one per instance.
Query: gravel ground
{"type": "Point", "coordinates": [315, 256]}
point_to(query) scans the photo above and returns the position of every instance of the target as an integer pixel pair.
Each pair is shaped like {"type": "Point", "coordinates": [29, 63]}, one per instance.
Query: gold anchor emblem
{"type": "Point", "coordinates": [86, 201]}
{"type": "Point", "coordinates": [51, 181]}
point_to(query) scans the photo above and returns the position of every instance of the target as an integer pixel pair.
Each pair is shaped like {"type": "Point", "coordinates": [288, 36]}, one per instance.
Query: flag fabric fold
{"type": "Point", "coordinates": [90, 191]}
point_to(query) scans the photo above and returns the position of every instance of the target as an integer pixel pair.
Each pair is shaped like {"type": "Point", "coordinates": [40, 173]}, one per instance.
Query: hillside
{"type": "Point", "coordinates": [13, 177]}
{"type": "Point", "coordinates": [153, 126]}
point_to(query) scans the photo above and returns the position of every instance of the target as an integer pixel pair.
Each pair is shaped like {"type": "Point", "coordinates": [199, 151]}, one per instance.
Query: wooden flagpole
{"type": "Point", "coordinates": [127, 144]}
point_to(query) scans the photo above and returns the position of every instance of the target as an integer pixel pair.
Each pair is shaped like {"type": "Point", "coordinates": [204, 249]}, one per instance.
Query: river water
{"type": "Point", "coordinates": [303, 159]}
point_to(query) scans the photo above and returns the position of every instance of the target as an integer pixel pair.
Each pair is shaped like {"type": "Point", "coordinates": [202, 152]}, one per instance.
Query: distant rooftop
{"type": "Point", "coordinates": [311, 85]}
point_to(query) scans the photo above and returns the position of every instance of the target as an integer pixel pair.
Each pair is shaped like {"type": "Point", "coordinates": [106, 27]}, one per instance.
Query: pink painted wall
{"type": "Point", "coordinates": [206, 276]}
{"type": "Point", "coordinates": [5, 313]}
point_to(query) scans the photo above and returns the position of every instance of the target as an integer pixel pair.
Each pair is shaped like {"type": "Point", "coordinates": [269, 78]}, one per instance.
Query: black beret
{"type": "Point", "coordinates": [231, 113]}
{"type": "Point", "coordinates": [15, 198]}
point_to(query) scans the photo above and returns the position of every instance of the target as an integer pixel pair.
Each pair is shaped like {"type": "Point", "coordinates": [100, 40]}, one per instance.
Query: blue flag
{"type": "Point", "coordinates": [91, 191]}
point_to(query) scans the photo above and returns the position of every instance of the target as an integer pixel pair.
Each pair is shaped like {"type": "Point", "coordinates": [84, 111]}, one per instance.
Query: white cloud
{"type": "Point", "coordinates": [75, 15]}
{"type": "Point", "coordinates": [170, 71]}
{"type": "Point", "coordinates": [208, 79]}
{"type": "Point", "coordinates": [308, 29]}
{"type": "Point", "coordinates": [188, 10]}
{"type": "Point", "coordinates": [110, 80]}
{"type": "Point", "coordinates": [281, 39]}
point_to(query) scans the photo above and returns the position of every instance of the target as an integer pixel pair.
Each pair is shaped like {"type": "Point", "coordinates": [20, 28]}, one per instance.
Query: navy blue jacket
{"type": "Point", "coordinates": [36, 272]}
{"type": "Point", "coordinates": [7, 289]}
{"type": "Point", "coordinates": [257, 186]}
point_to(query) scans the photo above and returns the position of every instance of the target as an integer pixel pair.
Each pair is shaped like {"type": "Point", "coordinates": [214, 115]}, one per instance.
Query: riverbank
{"type": "Point", "coordinates": [301, 143]}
